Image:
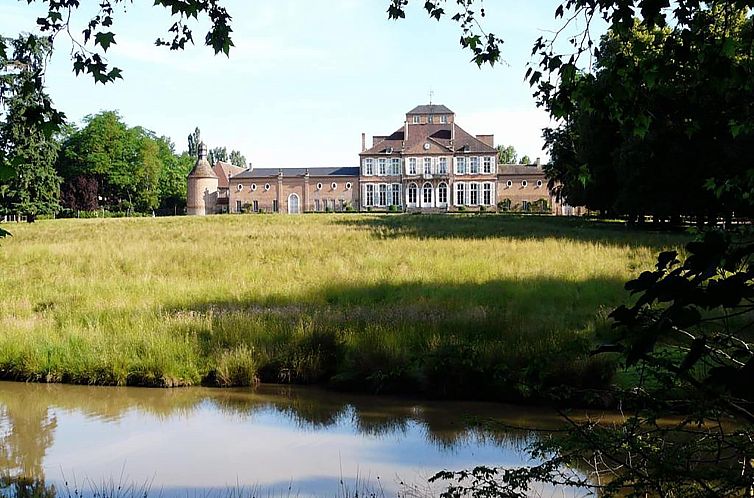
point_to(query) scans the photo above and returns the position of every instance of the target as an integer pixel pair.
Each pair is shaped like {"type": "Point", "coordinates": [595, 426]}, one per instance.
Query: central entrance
{"type": "Point", "coordinates": [293, 204]}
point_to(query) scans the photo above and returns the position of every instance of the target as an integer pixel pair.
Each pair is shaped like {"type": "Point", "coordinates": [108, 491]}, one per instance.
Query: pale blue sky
{"type": "Point", "coordinates": [306, 77]}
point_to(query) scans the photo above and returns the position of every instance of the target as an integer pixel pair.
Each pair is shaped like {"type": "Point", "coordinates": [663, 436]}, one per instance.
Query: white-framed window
{"type": "Point", "coordinates": [417, 119]}
{"type": "Point", "coordinates": [316, 204]}
{"type": "Point", "coordinates": [368, 167]}
{"type": "Point", "coordinates": [474, 194]}
{"type": "Point", "coordinates": [369, 187]}
{"type": "Point", "coordinates": [509, 184]}
{"type": "Point", "coordinates": [319, 186]}
{"type": "Point", "coordinates": [444, 119]}
{"type": "Point", "coordinates": [255, 205]}
{"type": "Point", "coordinates": [383, 194]}
{"type": "Point", "coordinates": [266, 186]}
{"type": "Point", "coordinates": [442, 194]}
{"type": "Point", "coordinates": [525, 206]}
{"type": "Point", "coordinates": [381, 166]}
{"type": "Point", "coordinates": [412, 188]}
{"type": "Point", "coordinates": [274, 205]}
{"type": "Point", "coordinates": [524, 183]}
{"type": "Point", "coordinates": [474, 165]}
{"type": "Point", "coordinates": [396, 200]}
{"type": "Point", "coordinates": [539, 183]}
{"type": "Point", "coordinates": [238, 206]}
{"type": "Point", "coordinates": [411, 166]}
{"type": "Point", "coordinates": [334, 186]}
{"type": "Point", "coordinates": [442, 166]}
{"type": "Point", "coordinates": [487, 194]}
{"type": "Point", "coordinates": [487, 165]}
{"type": "Point", "coordinates": [427, 165]}
{"type": "Point", "coordinates": [349, 185]}
{"type": "Point", "coordinates": [395, 166]}
{"type": "Point", "coordinates": [430, 119]}
{"type": "Point", "coordinates": [427, 194]}
{"type": "Point", "coordinates": [240, 187]}
{"type": "Point", "coordinates": [253, 187]}
{"type": "Point", "coordinates": [460, 165]}
{"type": "Point", "coordinates": [460, 194]}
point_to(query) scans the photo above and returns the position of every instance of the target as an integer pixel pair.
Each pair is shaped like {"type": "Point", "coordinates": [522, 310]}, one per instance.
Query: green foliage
{"type": "Point", "coordinates": [237, 159]}
{"type": "Point", "coordinates": [31, 185]}
{"type": "Point", "coordinates": [506, 155]}
{"type": "Point", "coordinates": [218, 154]}
{"type": "Point", "coordinates": [676, 97]}
{"type": "Point", "coordinates": [133, 168]}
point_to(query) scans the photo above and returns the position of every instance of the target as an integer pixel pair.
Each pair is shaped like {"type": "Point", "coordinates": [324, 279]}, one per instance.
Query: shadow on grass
{"type": "Point", "coordinates": [500, 340]}
{"type": "Point", "coordinates": [514, 226]}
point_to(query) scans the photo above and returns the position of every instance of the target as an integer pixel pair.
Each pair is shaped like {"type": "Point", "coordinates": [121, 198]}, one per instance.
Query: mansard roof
{"type": "Point", "coordinates": [430, 109]}
{"type": "Point", "coordinates": [288, 172]}
{"type": "Point", "coordinates": [441, 134]}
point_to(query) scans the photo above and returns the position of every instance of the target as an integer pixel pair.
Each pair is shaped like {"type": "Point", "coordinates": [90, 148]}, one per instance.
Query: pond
{"type": "Point", "coordinates": [269, 440]}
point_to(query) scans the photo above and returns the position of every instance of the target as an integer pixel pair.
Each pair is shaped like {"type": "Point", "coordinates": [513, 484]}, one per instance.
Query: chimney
{"type": "Point", "coordinates": [363, 142]}
{"type": "Point", "coordinates": [453, 133]}
{"type": "Point", "coordinates": [405, 135]}
{"type": "Point", "coordinates": [538, 162]}
{"type": "Point", "coordinates": [487, 139]}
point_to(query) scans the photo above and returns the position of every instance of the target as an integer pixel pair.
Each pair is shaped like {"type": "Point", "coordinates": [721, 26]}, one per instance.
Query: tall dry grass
{"type": "Point", "coordinates": [440, 304]}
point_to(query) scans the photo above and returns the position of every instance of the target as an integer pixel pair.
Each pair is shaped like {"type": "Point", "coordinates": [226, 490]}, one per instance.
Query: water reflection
{"type": "Point", "coordinates": [273, 437]}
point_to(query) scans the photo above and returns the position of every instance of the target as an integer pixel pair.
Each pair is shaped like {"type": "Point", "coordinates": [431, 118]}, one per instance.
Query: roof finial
{"type": "Point", "coordinates": [431, 94]}
{"type": "Point", "coordinates": [202, 150]}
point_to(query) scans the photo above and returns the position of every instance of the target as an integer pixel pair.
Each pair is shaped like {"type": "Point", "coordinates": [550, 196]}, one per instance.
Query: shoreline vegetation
{"type": "Point", "coordinates": [476, 307]}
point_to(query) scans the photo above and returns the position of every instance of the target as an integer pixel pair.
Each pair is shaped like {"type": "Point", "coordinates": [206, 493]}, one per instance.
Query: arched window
{"type": "Point", "coordinates": [442, 193]}
{"type": "Point", "coordinates": [427, 194]}
{"type": "Point", "coordinates": [412, 193]}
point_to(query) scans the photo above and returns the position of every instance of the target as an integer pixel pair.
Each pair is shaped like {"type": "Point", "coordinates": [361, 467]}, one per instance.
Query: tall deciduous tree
{"type": "Point", "coordinates": [127, 163]}
{"type": "Point", "coordinates": [506, 154]}
{"type": "Point", "coordinates": [237, 159]}
{"type": "Point", "coordinates": [35, 187]}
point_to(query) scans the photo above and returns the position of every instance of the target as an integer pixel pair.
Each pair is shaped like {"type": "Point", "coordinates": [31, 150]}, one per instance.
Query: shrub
{"type": "Point", "coordinates": [392, 208]}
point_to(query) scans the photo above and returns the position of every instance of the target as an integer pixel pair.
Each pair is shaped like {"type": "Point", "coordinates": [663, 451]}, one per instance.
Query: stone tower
{"type": "Point", "coordinates": [202, 186]}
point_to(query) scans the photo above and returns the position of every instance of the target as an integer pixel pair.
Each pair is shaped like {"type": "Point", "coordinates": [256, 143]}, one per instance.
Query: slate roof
{"type": "Point", "coordinates": [430, 109]}
{"type": "Point", "coordinates": [288, 172]}
{"type": "Point", "coordinates": [519, 169]}
{"type": "Point", "coordinates": [438, 133]}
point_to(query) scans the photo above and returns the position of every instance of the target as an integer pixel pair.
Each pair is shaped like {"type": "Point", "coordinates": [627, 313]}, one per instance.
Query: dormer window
{"type": "Point", "coordinates": [444, 119]}
{"type": "Point", "coordinates": [430, 119]}
{"type": "Point", "coordinates": [389, 150]}
{"type": "Point", "coordinates": [417, 119]}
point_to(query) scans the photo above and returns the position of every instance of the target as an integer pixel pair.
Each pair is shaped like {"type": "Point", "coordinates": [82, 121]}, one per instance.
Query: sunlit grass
{"type": "Point", "coordinates": [419, 303]}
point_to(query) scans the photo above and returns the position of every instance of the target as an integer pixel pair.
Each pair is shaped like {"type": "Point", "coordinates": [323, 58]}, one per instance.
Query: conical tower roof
{"type": "Point", "coordinates": [202, 168]}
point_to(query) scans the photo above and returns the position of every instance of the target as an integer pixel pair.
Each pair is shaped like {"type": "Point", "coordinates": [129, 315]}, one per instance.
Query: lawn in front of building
{"type": "Point", "coordinates": [477, 306]}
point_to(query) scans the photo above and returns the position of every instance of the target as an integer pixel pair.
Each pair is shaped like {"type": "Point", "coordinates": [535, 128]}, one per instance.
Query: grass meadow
{"type": "Point", "coordinates": [470, 306]}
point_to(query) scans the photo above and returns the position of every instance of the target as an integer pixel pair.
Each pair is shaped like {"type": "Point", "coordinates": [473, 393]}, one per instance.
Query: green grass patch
{"type": "Point", "coordinates": [467, 305]}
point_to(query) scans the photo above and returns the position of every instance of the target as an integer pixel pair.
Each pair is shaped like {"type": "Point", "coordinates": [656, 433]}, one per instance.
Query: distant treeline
{"type": "Point", "coordinates": [103, 165]}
